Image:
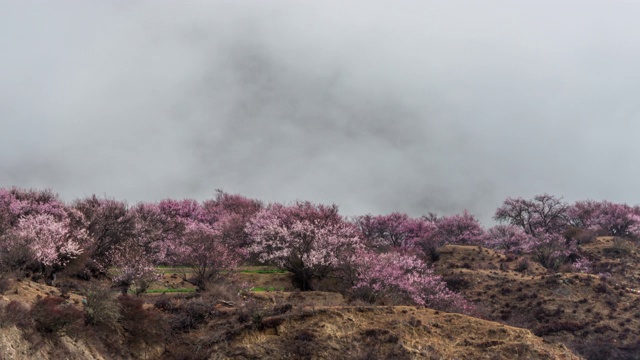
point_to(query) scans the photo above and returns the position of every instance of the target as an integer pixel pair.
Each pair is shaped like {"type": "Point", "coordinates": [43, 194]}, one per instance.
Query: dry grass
{"type": "Point", "coordinates": [517, 299]}
{"type": "Point", "coordinates": [569, 308]}
{"type": "Point", "coordinates": [395, 332]}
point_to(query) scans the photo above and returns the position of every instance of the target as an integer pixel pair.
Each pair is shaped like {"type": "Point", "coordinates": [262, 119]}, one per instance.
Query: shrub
{"type": "Point", "coordinates": [456, 282]}
{"type": "Point", "coordinates": [619, 248]}
{"type": "Point", "coordinates": [299, 346]}
{"type": "Point", "coordinates": [53, 315]}
{"type": "Point", "coordinates": [5, 283]}
{"type": "Point", "coordinates": [581, 236]}
{"type": "Point", "coordinates": [141, 326]}
{"type": "Point", "coordinates": [15, 313]}
{"type": "Point", "coordinates": [164, 303]}
{"type": "Point", "coordinates": [252, 311]}
{"type": "Point", "coordinates": [557, 326]}
{"type": "Point", "coordinates": [602, 288]}
{"type": "Point", "coordinates": [101, 307]}
{"type": "Point", "coordinates": [190, 315]}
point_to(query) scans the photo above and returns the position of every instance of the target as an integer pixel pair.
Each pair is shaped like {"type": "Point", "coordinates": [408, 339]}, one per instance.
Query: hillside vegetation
{"type": "Point", "coordinates": [234, 278]}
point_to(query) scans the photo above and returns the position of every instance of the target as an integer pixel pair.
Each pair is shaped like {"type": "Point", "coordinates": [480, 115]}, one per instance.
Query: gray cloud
{"type": "Point", "coordinates": [412, 106]}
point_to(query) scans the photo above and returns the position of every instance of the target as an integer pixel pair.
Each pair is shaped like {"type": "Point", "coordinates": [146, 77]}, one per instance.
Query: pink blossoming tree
{"type": "Point", "coordinates": [16, 203]}
{"type": "Point", "coordinates": [50, 242]}
{"type": "Point", "coordinates": [550, 250]}
{"type": "Point", "coordinates": [461, 229]}
{"type": "Point", "coordinates": [201, 249]}
{"type": "Point", "coordinates": [309, 240]}
{"type": "Point", "coordinates": [231, 213]}
{"type": "Point", "coordinates": [508, 239]}
{"type": "Point", "coordinates": [396, 230]}
{"type": "Point", "coordinates": [606, 218]}
{"type": "Point", "coordinates": [403, 278]}
{"type": "Point", "coordinates": [110, 225]}
{"type": "Point", "coordinates": [199, 241]}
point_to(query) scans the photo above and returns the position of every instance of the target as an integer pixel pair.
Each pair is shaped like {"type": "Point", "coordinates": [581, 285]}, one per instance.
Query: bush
{"type": "Point", "coordinates": [164, 303]}
{"type": "Point", "coordinates": [5, 284]}
{"type": "Point", "coordinates": [581, 236]}
{"type": "Point", "coordinates": [15, 313]}
{"type": "Point", "coordinates": [558, 326]}
{"type": "Point", "coordinates": [53, 315]}
{"type": "Point", "coordinates": [619, 249]}
{"type": "Point", "coordinates": [14, 258]}
{"type": "Point", "coordinates": [101, 307]}
{"type": "Point", "coordinates": [141, 326]}
{"type": "Point", "coordinates": [600, 350]}
{"type": "Point", "coordinates": [456, 282]}
{"type": "Point", "coordinates": [247, 310]}
{"type": "Point", "coordinates": [190, 315]}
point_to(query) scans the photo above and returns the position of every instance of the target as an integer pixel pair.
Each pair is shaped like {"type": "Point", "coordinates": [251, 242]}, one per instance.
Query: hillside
{"type": "Point", "coordinates": [598, 316]}
{"type": "Point", "coordinates": [231, 277]}
{"type": "Point", "coordinates": [294, 325]}
{"type": "Point", "coordinates": [529, 313]}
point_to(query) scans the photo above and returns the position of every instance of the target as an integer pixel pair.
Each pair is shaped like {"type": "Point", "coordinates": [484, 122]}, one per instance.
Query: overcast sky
{"type": "Point", "coordinates": [378, 106]}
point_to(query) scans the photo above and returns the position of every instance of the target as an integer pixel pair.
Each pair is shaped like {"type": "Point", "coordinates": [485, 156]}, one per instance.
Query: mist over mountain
{"type": "Point", "coordinates": [413, 106]}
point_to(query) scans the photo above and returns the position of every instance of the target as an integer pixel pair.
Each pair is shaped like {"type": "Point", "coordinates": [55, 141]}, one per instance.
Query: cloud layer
{"type": "Point", "coordinates": [412, 106]}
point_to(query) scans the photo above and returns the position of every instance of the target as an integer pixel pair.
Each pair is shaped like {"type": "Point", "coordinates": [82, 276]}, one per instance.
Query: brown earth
{"type": "Point", "coordinates": [389, 333]}
{"type": "Point", "coordinates": [318, 326]}
{"type": "Point", "coordinates": [527, 313]}
{"type": "Point", "coordinates": [597, 316]}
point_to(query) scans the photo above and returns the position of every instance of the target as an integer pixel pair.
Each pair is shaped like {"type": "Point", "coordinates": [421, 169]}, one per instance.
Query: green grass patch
{"type": "Point", "coordinates": [265, 288]}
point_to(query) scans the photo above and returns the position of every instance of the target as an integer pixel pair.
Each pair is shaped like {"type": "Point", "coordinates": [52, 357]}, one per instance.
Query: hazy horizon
{"type": "Point", "coordinates": [409, 106]}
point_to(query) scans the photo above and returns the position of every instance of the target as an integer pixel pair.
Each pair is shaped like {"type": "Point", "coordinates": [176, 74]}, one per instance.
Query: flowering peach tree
{"type": "Point", "coordinates": [51, 241]}
{"type": "Point", "coordinates": [403, 278]}
{"type": "Point", "coordinates": [309, 240]}
{"type": "Point", "coordinates": [606, 218]}
{"type": "Point", "coordinates": [395, 230]}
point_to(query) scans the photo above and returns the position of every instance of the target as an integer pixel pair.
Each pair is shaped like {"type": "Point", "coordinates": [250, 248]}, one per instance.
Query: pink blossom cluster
{"type": "Point", "coordinates": [550, 250]}
{"type": "Point", "coordinates": [508, 238]}
{"type": "Point", "coordinates": [395, 230]}
{"type": "Point", "coordinates": [582, 265]}
{"type": "Point", "coordinates": [201, 248]}
{"type": "Point", "coordinates": [307, 239]}
{"type": "Point", "coordinates": [130, 241]}
{"type": "Point", "coordinates": [606, 217]}
{"type": "Point", "coordinates": [16, 203]}
{"type": "Point", "coordinates": [311, 240]}
{"type": "Point", "coordinates": [461, 229]}
{"type": "Point", "coordinates": [51, 241]}
{"type": "Point", "coordinates": [396, 274]}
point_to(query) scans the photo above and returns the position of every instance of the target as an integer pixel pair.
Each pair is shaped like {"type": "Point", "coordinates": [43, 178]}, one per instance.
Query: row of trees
{"type": "Point", "coordinates": [375, 256]}
{"type": "Point", "coordinates": [104, 237]}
